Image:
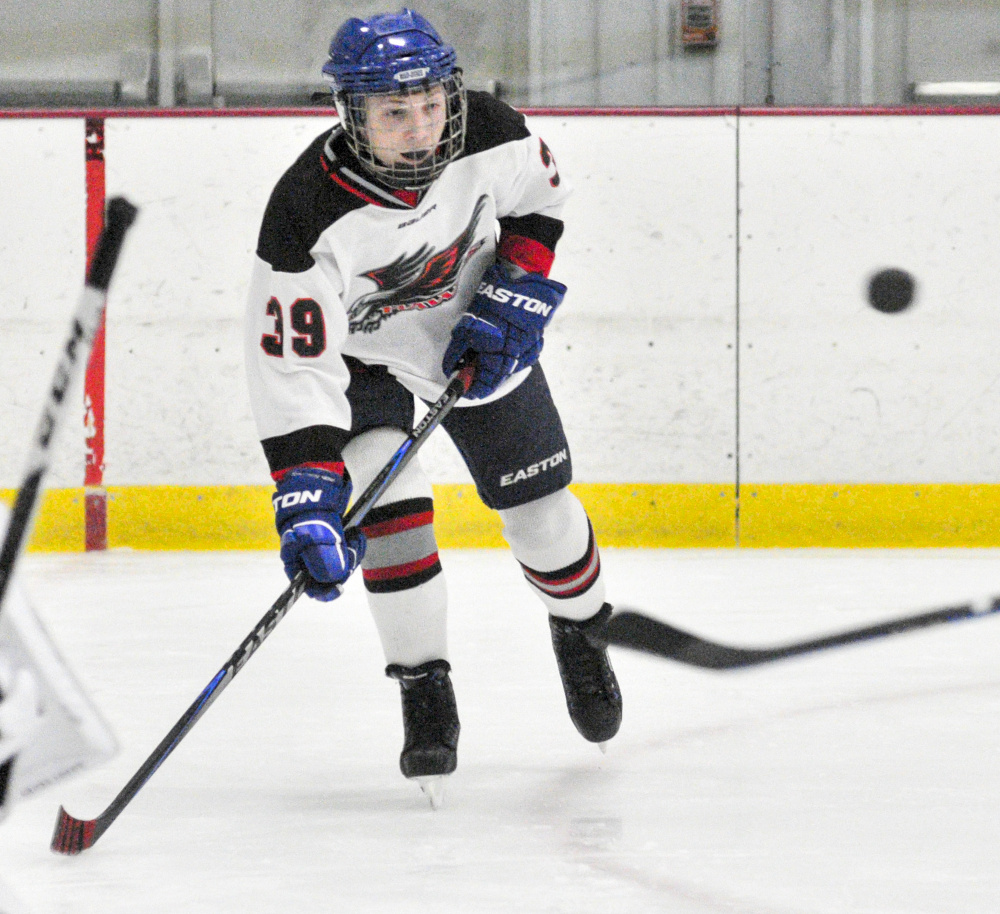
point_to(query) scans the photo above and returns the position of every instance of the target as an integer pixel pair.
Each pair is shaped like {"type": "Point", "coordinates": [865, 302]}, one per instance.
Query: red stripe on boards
{"type": "Point", "coordinates": [632, 111]}
{"type": "Point", "coordinates": [95, 498]}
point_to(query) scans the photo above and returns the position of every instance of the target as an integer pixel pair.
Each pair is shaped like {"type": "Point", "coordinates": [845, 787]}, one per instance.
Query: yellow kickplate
{"type": "Point", "coordinates": [645, 515]}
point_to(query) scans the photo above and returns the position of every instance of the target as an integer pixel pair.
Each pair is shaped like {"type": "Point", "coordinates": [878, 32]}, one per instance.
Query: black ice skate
{"type": "Point", "coordinates": [592, 694]}
{"type": "Point", "coordinates": [430, 724]}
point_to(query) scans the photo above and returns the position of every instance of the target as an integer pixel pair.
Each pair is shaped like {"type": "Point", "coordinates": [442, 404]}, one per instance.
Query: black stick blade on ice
{"type": "Point", "coordinates": [639, 632]}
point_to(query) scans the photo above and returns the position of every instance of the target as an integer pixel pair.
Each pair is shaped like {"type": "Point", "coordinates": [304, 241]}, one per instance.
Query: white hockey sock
{"type": "Point", "coordinates": [413, 624]}
{"type": "Point", "coordinates": [552, 539]}
{"type": "Point", "coordinates": [407, 594]}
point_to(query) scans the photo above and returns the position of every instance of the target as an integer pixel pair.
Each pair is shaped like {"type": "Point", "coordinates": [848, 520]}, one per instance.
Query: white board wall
{"type": "Point", "coordinates": [676, 357]}
{"type": "Point", "coordinates": [42, 257]}
{"type": "Point", "coordinates": [832, 390]}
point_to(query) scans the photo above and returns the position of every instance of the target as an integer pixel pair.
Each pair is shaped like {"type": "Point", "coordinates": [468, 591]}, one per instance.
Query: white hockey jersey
{"type": "Point", "coordinates": [346, 267]}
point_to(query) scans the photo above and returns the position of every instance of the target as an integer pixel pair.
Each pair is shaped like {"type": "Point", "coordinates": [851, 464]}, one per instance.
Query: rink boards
{"type": "Point", "coordinates": [721, 375]}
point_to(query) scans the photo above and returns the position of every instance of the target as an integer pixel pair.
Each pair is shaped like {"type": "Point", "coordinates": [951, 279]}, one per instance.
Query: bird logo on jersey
{"type": "Point", "coordinates": [415, 282]}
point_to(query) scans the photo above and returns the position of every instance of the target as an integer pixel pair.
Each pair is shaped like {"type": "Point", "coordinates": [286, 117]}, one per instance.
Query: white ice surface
{"type": "Point", "coordinates": [865, 779]}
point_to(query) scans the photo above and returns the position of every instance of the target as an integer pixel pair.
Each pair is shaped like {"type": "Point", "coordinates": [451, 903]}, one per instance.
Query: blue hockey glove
{"type": "Point", "coordinates": [503, 327]}
{"type": "Point", "coordinates": [308, 510]}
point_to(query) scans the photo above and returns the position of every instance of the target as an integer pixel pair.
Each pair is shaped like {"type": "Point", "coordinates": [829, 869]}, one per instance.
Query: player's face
{"type": "Point", "coordinates": [406, 129]}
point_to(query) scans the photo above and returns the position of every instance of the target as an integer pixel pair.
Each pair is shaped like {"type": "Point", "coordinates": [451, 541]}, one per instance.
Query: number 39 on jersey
{"type": "Point", "coordinates": [307, 324]}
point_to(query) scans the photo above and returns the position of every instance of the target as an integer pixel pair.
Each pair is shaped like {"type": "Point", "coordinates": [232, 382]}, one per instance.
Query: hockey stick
{"type": "Point", "coordinates": [75, 835]}
{"type": "Point", "coordinates": [120, 216]}
{"type": "Point", "coordinates": [632, 629]}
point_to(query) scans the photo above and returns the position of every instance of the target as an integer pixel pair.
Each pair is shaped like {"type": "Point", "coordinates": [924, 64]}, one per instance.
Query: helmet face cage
{"type": "Point", "coordinates": [395, 54]}
{"type": "Point", "coordinates": [353, 110]}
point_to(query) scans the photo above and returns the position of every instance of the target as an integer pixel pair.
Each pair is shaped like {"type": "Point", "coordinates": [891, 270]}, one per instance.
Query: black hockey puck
{"type": "Point", "coordinates": [891, 291]}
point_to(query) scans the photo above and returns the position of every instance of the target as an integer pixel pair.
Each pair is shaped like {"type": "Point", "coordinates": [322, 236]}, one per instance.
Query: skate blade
{"type": "Point", "coordinates": [433, 788]}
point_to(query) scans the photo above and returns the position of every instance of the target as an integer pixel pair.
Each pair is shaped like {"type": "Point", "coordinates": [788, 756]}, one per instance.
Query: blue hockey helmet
{"type": "Point", "coordinates": [386, 53]}
{"type": "Point", "coordinates": [395, 54]}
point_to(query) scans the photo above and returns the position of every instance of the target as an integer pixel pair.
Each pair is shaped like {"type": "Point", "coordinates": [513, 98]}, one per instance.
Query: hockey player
{"type": "Point", "coordinates": [417, 233]}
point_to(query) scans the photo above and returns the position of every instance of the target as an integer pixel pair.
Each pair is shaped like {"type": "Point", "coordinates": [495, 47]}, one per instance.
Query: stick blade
{"type": "Point", "coordinates": [73, 836]}
{"type": "Point", "coordinates": [632, 629]}
{"type": "Point", "coordinates": [629, 628]}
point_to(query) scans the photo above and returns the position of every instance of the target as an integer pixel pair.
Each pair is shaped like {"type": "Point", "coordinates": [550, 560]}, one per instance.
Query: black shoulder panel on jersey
{"type": "Point", "coordinates": [304, 203]}
{"type": "Point", "coordinates": [543, 229]}
{"type": "Point", "coordinates": [315, 444]}
{"type": "Point", "coordinates": [491, 123]}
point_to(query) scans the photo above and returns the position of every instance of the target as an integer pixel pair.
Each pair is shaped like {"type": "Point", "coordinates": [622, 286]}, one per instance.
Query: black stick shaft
{"type": "Point", "coordinates": [73, 835]}
{"type": "Point", "coordinates": [635, 630]}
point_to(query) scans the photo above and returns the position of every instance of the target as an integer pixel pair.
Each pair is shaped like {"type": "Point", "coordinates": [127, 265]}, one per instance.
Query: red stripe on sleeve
{"type": "Point", "coordinates": [526, 253]}
{"type": "Point", "coordinates": [337, 467]}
